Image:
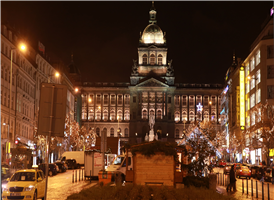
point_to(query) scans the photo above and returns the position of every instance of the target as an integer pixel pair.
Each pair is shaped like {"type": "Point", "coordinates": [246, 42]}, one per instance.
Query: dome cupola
{"type": "Point", "coordinates": [152, 33]}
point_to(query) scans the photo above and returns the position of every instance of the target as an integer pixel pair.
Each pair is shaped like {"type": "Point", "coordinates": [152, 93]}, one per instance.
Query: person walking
{"type": "Point", "coordinates": [232, 180]}
{"type": "Point", "coordinates": [262, 173]}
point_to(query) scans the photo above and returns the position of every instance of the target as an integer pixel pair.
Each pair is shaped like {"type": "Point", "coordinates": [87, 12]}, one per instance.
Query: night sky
{"type": "Point", "coordinates": [104, 36]}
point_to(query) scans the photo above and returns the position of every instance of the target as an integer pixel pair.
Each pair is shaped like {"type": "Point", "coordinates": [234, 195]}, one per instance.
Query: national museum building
{"type": "Point", "coordinates": [124, 109]}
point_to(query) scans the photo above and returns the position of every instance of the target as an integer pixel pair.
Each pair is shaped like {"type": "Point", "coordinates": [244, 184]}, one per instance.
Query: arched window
{"type": "Point", "coordinates": [119, 115]}
{"type": "Point", "coordinates": [152, 59]}
{"type": "Point", "coordinates": [98, 115]}
{"type": "Point", "coordinates": [98, 132]}
{"type": "Point", "coordinates": [84, 114]}
{"type": "Point", "coordinates": [144, 114]}
{"type": "Point", "coordinates": [159, 114]}
{"type": "Point", "coordinates": [126, 132]}
{"type": "Point", "coordinates": [112, 115]}
{"type": "Point", "coordinates": [127, 115]}
{"type": "Point", "coordinates": [145, 59]}
{"type": "Point", "coordinates": [151, 113]}
{"type": "Point", "coordinates": [112, 132]}
{"type": "Point", "coordinates": [105, 115]}
{"type": "Point", "coordinates": [160, 59]}
{"type": "Point", "coordinates": [177, 133]}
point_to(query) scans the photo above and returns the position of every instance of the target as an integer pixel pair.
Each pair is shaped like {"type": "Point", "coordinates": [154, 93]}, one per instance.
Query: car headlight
{"type": "Point", "coordinates": [30, 188]}
{"type": "Point", "coordinates": [5, 189]}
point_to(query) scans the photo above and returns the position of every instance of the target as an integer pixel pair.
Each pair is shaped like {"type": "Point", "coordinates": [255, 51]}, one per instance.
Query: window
{"type": "Point", "coordinates": [258, 58]}
{"type": "Point", "coordinates": [84, 114]}
{"type": "Point", "coordinates": [253, 119]}
{"type": "Point", "coordinates": [184, 100]}
{"type": "Point", "coordinates": [112, 99]}
{"type": "Point", "coordinates": [177, 133]}
{"type": "Point", "coordinates": [152, 59]}
{"type": "Point", "coordinates": [247, 70]}
{"type": "Point", "coordinates": [176, 100]}
{"type": "Point", "coordinates": [120, 99]}
{"type": "Point", "coordinates": [90, 114]}
{"type": "Point", "coordinates": [177, 116]}
{"type": "Point", "coordinates": [191, 101]}
{"type": "Point", "coordinates": [258, 76]}
{"type": "Point", "coordinates": [119, 115]}
{"type": "Point", "coordinates": [252, 100]}
{"type": "Point", "coordinates": [252, 64]}
{"type": "Point", "coordinates": [112, 132]}
{"type": "Point", "coordinates": [252, 82]}
{"type": "Point", "coordinates": [206, 101]}
{"type": "Point", "coordinates": [145, 59]}
{"type": "Point", "coordinates": [98, 99]}
{"type": "Point", "coordinates": [160, 59]}
{"type": "Point", "coordinates": [270, 51]}
{"type": "Point", "coordinates": [105, 115]}
{"type": "Point", "coordinates": [159, 114]}
{"type": "Point", "coordinates": [127, 115]}
{"type": "Point", "coordinates": [270, 71]}
{"type": "Point", "coordinates": [247, 87]}
{"type": "Point", "coordinates": [270, 91]}
{"type": "Point", "coordinates": [134, 99]}
{"type": "Point", "coordinates": [112, 115]}
{"type": "Point", "coordinates": [126, 132]}
{"type": "Point", "coordinates": [105, 99]}
{"type": "Point", "coordinates": [258, 96]}
{"type": "Point", "coordinates": [98, 132]}
{"type": "Point", "coordinates": [126, 99]}
{"type": "Point", "coordinates": [98, 115]}
{"type": "Point", "coordinates": [144, 114]}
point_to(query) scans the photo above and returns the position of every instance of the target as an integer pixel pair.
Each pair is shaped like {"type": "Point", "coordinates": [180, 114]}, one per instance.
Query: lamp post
{"type": "Point", "coordinates": [50, 75]}
{"type": "Point", "coordinates": [22, 48]}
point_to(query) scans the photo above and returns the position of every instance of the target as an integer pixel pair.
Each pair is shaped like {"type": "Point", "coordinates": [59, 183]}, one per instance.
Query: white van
{"type": "Point", "coordinates": [119, 164]}
{"type": "Point", "coordinates": [77, 155]}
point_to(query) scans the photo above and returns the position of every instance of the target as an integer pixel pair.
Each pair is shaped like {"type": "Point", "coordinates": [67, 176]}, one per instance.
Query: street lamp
{"type": "Point", "coordinates": [22, 47]}
{"type": "Point", "coordinates": [50, 75]}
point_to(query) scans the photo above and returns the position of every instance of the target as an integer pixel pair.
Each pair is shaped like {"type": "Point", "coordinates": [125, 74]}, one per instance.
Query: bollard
{"type": "Point", "coordinates": [246, 186]}
{"type": "Point", "coordinates": [256, 189]}
{"type": "Point", "coordinates": [251, 187]}
{"type": "Point", "coordinates": [72, 176]}
{"type": "Point", "coordinates": [243, 185]}
{"type": "Point", "coordinates": [90, 176]}
{"type": "Point", "coordinates": [76, 176]}
{"type": "Point", "coordinates": [262, 190]}
{"type": "Point", "coordinates": [268, 191]}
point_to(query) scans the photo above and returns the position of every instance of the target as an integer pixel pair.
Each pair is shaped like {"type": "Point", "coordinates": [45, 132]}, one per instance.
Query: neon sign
{"type": "Point", "coordinates": [242, 98]}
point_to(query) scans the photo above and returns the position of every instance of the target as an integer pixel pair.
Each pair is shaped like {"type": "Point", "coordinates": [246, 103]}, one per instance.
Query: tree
{"type": "Point", "coordinates": [261, 134]}
{"type": "Point", "coordinates": [199, 149]}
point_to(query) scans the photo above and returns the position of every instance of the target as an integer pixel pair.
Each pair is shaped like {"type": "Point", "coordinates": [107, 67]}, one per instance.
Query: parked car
{"type": "Point", "coordinates": [53, 168]}
{"type": "Point", "coordinates": [5, 171]}
{"type": "Point", "coordinates": [243, 171]}
{"type": "Point", "coordinates": [227, 168]}
{"type": "Point", "coordinates": [72, 164]}
{"type": "Point", "coordinates": [254, 170]}
{"type": "Point", "coordinates": [25, 184]}
{"type": "Point", "coordinates": [62, 166]}
{"type": "Point", "coordinates": [268, 174]}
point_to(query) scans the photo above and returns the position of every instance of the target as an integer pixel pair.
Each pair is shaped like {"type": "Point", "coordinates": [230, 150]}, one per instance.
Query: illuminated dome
{"type": "Point", "coordinates": [153, 34]}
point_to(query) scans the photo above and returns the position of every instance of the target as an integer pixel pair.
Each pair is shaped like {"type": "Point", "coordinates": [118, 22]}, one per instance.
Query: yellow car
{"type": "Point", "coordinates": [25, 184]}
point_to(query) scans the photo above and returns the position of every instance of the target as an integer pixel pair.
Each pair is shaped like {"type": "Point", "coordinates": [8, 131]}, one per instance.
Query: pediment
{"type": "Point", "coordinates": [152, 82]}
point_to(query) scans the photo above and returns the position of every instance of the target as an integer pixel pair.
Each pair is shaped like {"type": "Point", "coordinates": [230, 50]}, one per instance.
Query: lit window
{"type": "Point", "coordinates": [252, 64]}
{"type": "Point", "coordinates": [247, 87]}
{"type": "Point", "coordinates": [177, 116]}
{"type": "Point", "coordinates": [253, 119]}
{"type": "Point", "coordinates": [120, 100]}
{"type": "Point", "coordinates": [145, 59]}
{"type": "Point", "coordinates": [258, 96]}
{"type": "Point", "coordinates": [191, 101]}
{"type": "Point", "coordinates": [105, 115]}
{"type": "Point", "coordinates": [252, 100]}
{"type": "Point", "coordinates": [258, 76]}
{"type": "Point", "coordinates": [160, 59]}
{"type": "Point", "coordinates": [258, 58]}
{"type": "Point", "coordinates": [184, 100]}
{"type": "Point", "coordinates": [252, 82]}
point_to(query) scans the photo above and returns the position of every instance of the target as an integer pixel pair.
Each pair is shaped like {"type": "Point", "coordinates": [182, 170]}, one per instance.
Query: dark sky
{"type": "Point", "coordinates": [104, 36]}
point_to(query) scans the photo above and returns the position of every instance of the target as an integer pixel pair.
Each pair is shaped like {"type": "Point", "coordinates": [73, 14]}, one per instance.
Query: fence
{"type": "Point", "coordinates": [262, 191]}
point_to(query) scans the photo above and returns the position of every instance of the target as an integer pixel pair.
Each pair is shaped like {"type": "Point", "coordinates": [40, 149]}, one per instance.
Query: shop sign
{"type": "Point", "coordinates": [271, 152]}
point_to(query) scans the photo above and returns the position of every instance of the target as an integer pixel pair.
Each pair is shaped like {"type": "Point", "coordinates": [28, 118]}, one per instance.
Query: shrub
{"type": "Point", "coordinates": [196, 181]}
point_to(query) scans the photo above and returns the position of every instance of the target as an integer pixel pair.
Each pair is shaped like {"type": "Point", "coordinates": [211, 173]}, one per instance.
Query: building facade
{"type": "Point", "coordinates": [124, 109]}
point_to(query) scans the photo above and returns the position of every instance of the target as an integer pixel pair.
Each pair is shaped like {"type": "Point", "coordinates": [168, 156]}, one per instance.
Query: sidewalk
{"type": "Point", "coordinates": [238, 194]}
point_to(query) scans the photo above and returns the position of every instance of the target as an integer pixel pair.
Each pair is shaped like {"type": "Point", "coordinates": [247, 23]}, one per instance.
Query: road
{"type": "Point", "coordinates": [60, 186]}
{"type": "Point", "coordinates": [243, 181]}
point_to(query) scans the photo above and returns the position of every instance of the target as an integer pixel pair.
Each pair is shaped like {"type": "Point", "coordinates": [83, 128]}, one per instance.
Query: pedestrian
{"type": "Point", "coordinates": [232, 180]}
{"type": "Point", "coordinates": [262, 173]}
{"type": "Point", "coordinates": [273, 174]}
